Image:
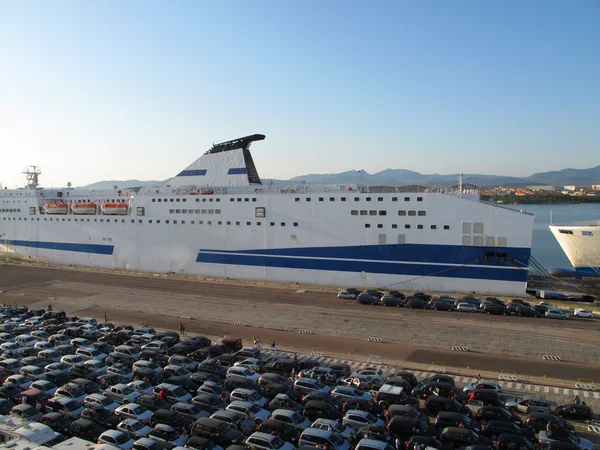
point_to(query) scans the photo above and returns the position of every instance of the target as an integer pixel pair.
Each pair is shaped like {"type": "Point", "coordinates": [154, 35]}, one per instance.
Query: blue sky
{"type": "Point", "coordinates": [94, 91]}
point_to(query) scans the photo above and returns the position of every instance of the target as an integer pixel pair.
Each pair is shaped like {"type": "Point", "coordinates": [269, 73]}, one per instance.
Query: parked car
{"type": "Point", "coordinates": [527, 404]}
{"type": "Point", "coordinates": [574, 412]}
{"type": "Point", "coordinates": [557, 314]}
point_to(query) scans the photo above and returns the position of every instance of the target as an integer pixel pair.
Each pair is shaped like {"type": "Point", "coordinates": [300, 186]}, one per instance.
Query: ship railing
{"type": "Point", "coordinates": [585, 223]}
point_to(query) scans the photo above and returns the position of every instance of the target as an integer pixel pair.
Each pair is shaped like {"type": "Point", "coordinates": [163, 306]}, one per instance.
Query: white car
{"type": "Point", "coordinates": [345, 295]}
{"type": "Point", "coordinates": [20, 381]}
{"type": "Point", "coordinates": [99, 366]}
{"type": "Point", "coordinates": [99, 401]}
{"type": "Point", "coordinates": [117, 439]}
{"type": "Point", "coordinates": [267, 441]}
{"type": "Point", "coordinates": [252, 363]}
{"type": "Point", "coordinates": [143, 387]}
{"type": "Point", "coordinates": [45, 386]}
{"type": "Point", "coordinates": [71, 360]}
{"type": "Point", "coordinates": [89, 353]}
{"type": "Point", "coordinates": [483, 384]}
{"type": "Point", "coordinates": [466, 307]}
{"type": "Point", "coordinates": [156, 345]}
{"type": "Point", "coordinates": [133, 411]}
{"type": "Point", "coordinates": [241, 371]}
{"type": "Point", "coordinates": [580, 312]}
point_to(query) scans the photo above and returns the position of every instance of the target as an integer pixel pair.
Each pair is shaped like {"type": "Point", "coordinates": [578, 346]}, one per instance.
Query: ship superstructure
{"type": "Point", "coordinates": [216, 218]}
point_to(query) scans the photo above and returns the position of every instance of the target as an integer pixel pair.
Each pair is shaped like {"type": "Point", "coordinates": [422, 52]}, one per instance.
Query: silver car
{"type": "Point", "coordinates": [556, 314]}
{"type": "Point", "coordinates": [356, 419]}
{"type": "Point", "coordinates": [350, 393]}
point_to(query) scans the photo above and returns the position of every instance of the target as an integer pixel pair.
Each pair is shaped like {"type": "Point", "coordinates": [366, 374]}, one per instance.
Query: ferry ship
{"type": "Point", "coordinates": [216, 218]}
{"type": "Point", "coordinates": [581, 243]}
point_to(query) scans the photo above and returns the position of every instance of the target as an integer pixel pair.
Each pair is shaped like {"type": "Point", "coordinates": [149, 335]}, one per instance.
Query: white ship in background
{"type": "Point", "coordinates": [216, 218]}
{"type": "Point", "coordinates": [581, 243]}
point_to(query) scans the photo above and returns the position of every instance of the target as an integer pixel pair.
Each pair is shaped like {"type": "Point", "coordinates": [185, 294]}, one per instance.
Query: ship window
{"type": "Point", "coordinates": [394, 199]}
{"type": "Point", "coordinates": [150, 221]}
{"type": "Point", "coordinates": [295, 224]}
{"type": "Point", "coordinates": [446, 227]}
{"type": "Point", "coordinates": [422, 213]}
{"type": "Point", "coordinates": [122, 220]}
{"type": "Point", "coordinates": [401, 212]}
{"type": "Point", "coordinates": [210, 199]}
{"type": "Point", "coordinates": [201, 222]}
{"type": "Point", "coordinates": [363, 212]}
{"type": "Point", "coordinates": [218, 200]}
{"type": "Point", "coordinates": [211, 211]}
{"type": "Point", "coordinates": [171, 200]}
{"type": "Point", "coordinates": [502, 242]}
{"type": "Point", "coordinates": [184, 211]}
{"type": "Point", "coordinates": [209, 222]}
{"type": "Point", "coordinates": [401, 239]}
{"type": "Point", "coordinates": [382, 213]}
{"type": "Point", "coordinates": [382, 239]}
{"type": "Point", "coordinates": [158, 221]}
{"type": "Point", "coordinates": [321, 199]}
{"type": "Point", "coordinates": [394, 225]}
{"type": "Point", "coordinates": [379, 225]}
{"type": "Point", "coordinates": [217, 211]}
{"type": "Point", "coordinates": [171, 211]}
{"type": "Point", "coordinates": [297, 199]}
{"type": "Point", "coordinates": [466, 227]}
{"type": "Point", "coordinates": [219, 223]}
{"type": "Point", "coordinates": [466, 241]}
{"type": "Point", "coordinates": [101, 220]}
{"type": "Point", "coordinates": [190, 211]}
{"type": "Point", "coordinates": [379, 199]}
{"type": "Point", "coordinates": [419, 227]}
{"type": "Point", "coordinates": [204, 211]}
{"type": "Point", "coordinates": [372, 212]}
{"type": "Point", "coordinates": [177, 211]}
{"type": "Point", "coordinates": [478, 241]}
{"type": "Point", "coordinates": [368, 199]}
{"type": "Point", "coordinates": [197, 211]}
{"type": "Point", "coordinates": [433, 227]}
{"type": "Point", "coordinates": [407, 226]}
{"type": "Point", "coordinates": [228, 222]}
{"type": "Point", "coordinates": [158, 200]}
{"type": "Point", "coordinates": [477, 227]}
{"type": "Point", "coordinates": [259, 223]}
{"type": "Point", "coordinates": [283, 224]}
{"type": "Point", "coordinates": [153, 200]}
{"type": "Point", "coordinates": [356, 199]}
{"type": "Point", "coordinates": [272, 224]}
{"type": "Point", "coordinates": [178, 200]}
{"type": "Point", "coordinates": [308, 199]}
{"type": "Point", "coordinates": [237, 223]}
{"type": "Point", "coordinates": [490, 241]}
{"type": "Point", "coordinates": [197, 200]}
{"type": "Point", "coordinates": [132, 221]}
{"type": "Point", "coordinates": [193, 222]}
{"type": "Point", "coordinates": [239, 199]}
{"type": "Point", "coordinates": [565, 231]}
{"type": "Point", "coordinates": [332, 199]}
{"type": "Point", "coordinates": [587, 233]}
{"type": "Point", "coordinates": [185, 199]}
{"type": "Point", "coordinates": [354, 212]}
{"type": "Point", "coordinates": [412, 213]}
{"type": "Point", "coordinates": [367, 225]}
{"type": "Point", "coordinates": [248, 223]}
{"type": "Point", "coordinates": [419, 199]}
{"type": "Point", "coordinates": [231, 199]}
{"type": "Point", "coordinates": [343, 199]}
{"type": "Point", "coordinates": [407, 199]}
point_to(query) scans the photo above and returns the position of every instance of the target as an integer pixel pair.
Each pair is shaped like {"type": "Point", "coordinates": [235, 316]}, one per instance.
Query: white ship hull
{"type": "Point", "coordinates": [307, 234]}
{"type": "Point", "coordinates": [581, 243]}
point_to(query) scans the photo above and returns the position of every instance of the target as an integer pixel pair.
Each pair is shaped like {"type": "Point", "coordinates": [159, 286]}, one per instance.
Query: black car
{"type": "Point", "coordinates": [110, 379]}
{"type": "Point", "coordinates": [436, 404]}
{"type": "Point", "coordinates": [235, 382]}
{"type": "Point", "coordinates": [152, 402]}
{"type": "Point", "coordinates": [208, 402]}
{"type": "Point", "coordinates": [283, 367]}
{"type": "Point", "coordinates": [314, 410]}
{"type": "Point", "coordinates": [424, 442]}
{"type": "Point", "coordinates": [385, 398]}
{"type": "Point", "coordinates": [86, 429]}
{"type": "Point", "coordinates": [58, 377]}
{"type": "Point", "coordinates": [5, 406]}
{"type": "Point", "coordinates": [285, 431]}
{"type": "Point", "coordinates": [201, 354]}
{"type": "Point", "coordinates": [284, 402]}
{"type": "Point", "coordinates": [446, 419]}
{"type": "Point", "coordinates": [513, 442]}
{"type": "Point", "coordinates": [102, 417]}
{"type": "Point", "coordinates": [367, 299]}
{"type": "Point", "coordinates": [405, 427]}
{"type": "Point", "coordinates": [574, 412]}
{"type": "Point", "coordinates": [495, 308]}
{"type": "Point", "coordinates": [185, 383]}
{"type": "Point", "coordinates": [487, 396]}
{"type": "Point", "coordinates": [408, 376]}
{"type": "Point", "coordinates": [58, 422]}
{"type": "Point", "coordinates": [342, 370]}
{"type": "Point", "coordinates": [440, 305]}
{"type": "Point", "coordinates": [273, 389]}
{"type": "Point", "coordinates": [487, 413]}
{"type": "Point", "coordinates": [526, 311]}
{"type": "Point", "coordinates": [88, 386]}
{"type": "Point", "coordinates": [320, 396]}
{"type": "Point", "coordinates": [389, 300]}
{"type": "Point", "coordinates": [460, 437]}
{"type": "Point", "coordinates": [80, 370]}
{"type": "Point", "coordinates": [495, 428]}
{"type": "Point", "coordinates": [168, 337]}
{"type": "Point", "coordinates": [427, 389]}
{"type": "Point", "coordinates": [537, 421]}
{"type": "Point", "coordinates": [269, 377]}
{"type": "Point", "coordinates": [171, 418]}
{"type": "Point", "coordinates": [416, 302]}
{"type": "Point", "coordinates": [219, 432]}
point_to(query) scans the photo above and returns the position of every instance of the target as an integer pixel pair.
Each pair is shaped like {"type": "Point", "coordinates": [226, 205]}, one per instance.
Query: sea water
{"type": "Point", "coordinates": [544, 247]}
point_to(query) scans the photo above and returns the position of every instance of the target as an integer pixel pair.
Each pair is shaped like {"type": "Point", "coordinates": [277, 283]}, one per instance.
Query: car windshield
{"type": "Point", "coordinates": [297, 418]}
{"type": "Point", "coordinates": [122, 438]}
{"type": "Point", "coordinates": [138, 409]}
{"type": "Point", "coordinates": [277, 442]}
{"type": "Point", "coordinates": [72, 405]}
{"type": "Point", "coordinates": [255, 396]}
{"type": "Point", "coordinates": [371, 418]}
{"type": "Point", "coordinates": [254, 408]}
{"type": "Point", "coordinates": [466, 421]}
{"type": "Point", "coordinates": [137, 425]}
{"type": "Point", "coordinates": [319, 384]}
{"type": "Point", "coordinates": [126, 390]}
{"type": "Point", "coordinates": [178, 392]}
{"type": "Point", "coordinates": [336, 440]}
{"type": "Point", "coordinates": [106, 401]}
{"type": "Point", "coordinates": [358, 392]}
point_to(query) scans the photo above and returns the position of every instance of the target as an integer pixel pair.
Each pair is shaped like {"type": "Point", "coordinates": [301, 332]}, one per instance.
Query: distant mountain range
{"type": "Point", "coordinates": [402, 177]}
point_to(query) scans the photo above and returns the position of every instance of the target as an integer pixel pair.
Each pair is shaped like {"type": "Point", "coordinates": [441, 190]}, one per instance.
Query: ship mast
{"type": "Point", "coordinates": [32, 174]}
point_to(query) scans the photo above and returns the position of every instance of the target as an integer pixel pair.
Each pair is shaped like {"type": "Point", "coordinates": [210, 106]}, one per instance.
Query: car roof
{"type": "Point", "coordinates": [266, 436]}
{"type": "Point", "coordinates": [318, 432]}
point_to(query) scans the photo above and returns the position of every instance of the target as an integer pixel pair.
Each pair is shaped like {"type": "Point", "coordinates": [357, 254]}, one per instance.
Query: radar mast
{"type": "Point", "coordinates": [32, 174]}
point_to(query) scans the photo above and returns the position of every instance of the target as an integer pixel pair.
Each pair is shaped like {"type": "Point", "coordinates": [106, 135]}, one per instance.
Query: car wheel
{"type": "Point", "coordinates": [564, 318]}
{"type": "Point", "coordinates": [488, 312]}
{"type": "Point", "coordinates": [435, 309]}
{"type": "Point", "coordinates": [384, 405]}
{"type": "Point", "coordinates": [503, 313]}
{"type": "Point", "coordinates": [519, 314]}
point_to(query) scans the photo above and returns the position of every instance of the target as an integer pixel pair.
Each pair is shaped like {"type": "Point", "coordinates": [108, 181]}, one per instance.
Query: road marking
{"type": "Point", "coordinates": [546, 389]}
{"type": "Point", "coordinates": [519, 385]}
{"type": "Point", "coordinates": [556, 390]}
{"type": "Point", "coordinates": [566, 392]}
{"type": "Point", "coordinates": [509, 385]}
{"type": "Point", "coordinates": [537, 389]}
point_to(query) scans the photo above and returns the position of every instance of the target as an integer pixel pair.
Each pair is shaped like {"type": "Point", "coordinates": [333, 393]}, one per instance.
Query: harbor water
{"type": "Point", "coordinates": [545, 248]}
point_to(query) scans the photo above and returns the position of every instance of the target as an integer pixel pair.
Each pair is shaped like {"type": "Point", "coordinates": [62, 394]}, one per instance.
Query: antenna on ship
{"type": "Point", "coordinates": [32, 174]}
{"type": "Point", "coordinates": [460, 188]}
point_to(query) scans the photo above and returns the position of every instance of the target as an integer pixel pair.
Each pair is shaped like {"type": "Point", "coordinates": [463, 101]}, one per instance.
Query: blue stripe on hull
{"type": "Point", "coordinates": [407, 259]}
{"type": "Point", "coordinates": [588, 271]}
{"type": "Point", "coordinates": [97, 249]}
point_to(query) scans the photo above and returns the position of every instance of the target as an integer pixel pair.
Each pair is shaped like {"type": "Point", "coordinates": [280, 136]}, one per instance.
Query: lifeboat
{"type": "Point", "coordinates": [56, 208]}
{"type": "Point", "coordinates": [83, 208]}
{"type": "Point", "coordinates": [207, 191]}
{"type": "Point", "coordinates": [114, 209]}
